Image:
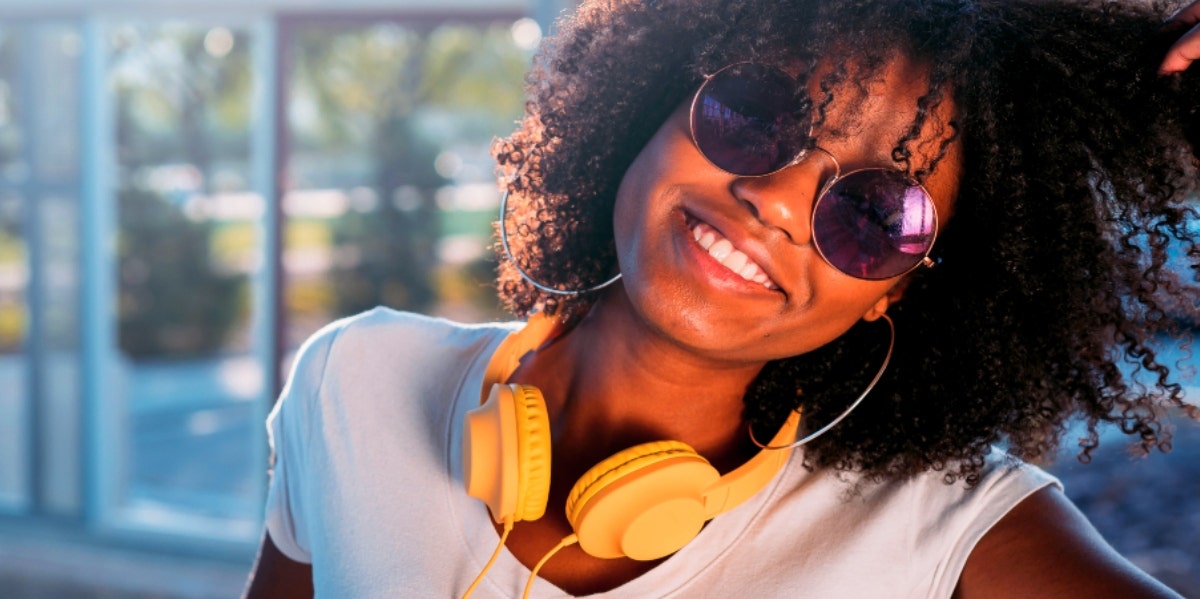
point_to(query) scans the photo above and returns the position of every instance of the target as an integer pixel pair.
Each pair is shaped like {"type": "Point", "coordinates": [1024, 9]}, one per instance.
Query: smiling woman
{"type": "Point", "coordinates": [710, 208]}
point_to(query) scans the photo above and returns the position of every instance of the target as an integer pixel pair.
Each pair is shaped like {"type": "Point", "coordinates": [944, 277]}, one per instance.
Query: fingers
{"type": "Point", "coordinates": [1183, 53]}
{"type": "Point", "coordinates": [1187, 49]}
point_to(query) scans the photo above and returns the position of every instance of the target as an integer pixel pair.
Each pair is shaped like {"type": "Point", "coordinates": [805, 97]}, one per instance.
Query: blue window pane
{"type": "Point", "coordinates": [190, 382]}
{"type": "Point", "coordinates": [393, 189]}
{"type": "Point", "coordinates": [14, 279]}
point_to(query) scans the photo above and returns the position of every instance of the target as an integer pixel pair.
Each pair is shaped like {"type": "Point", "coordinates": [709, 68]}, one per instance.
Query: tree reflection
{"type": "Point", "coordinates": [183, 109]}
{"type": "Point", "coordinates": [406, 112]}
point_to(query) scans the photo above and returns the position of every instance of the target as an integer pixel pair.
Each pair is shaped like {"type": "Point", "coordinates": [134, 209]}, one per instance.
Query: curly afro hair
{"type": "Point", "coordinates": [1053, 288]}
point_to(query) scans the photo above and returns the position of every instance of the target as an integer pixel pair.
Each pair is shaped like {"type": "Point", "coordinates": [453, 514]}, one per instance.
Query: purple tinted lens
{"type": "Point", "coordinates": [745, 120]}
{"type": "Point", "coordinates": [874, 224]}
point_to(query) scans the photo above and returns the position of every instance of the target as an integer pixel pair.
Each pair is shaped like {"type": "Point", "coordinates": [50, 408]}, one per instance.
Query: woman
{"type": "Point", "coordinates": [775, 184]}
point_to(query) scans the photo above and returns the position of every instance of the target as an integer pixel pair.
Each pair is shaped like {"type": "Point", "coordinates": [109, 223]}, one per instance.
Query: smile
{"type": "Point", "coordinates": [722, 250]}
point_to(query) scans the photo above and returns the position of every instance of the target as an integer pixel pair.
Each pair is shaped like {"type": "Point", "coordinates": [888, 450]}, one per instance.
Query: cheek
{"type": "Point", "coordinates": [641, 197]}
{"type": "Point", "coordinates": [628, 215]}
{"type": "Point", "coordinates": [837, 304]}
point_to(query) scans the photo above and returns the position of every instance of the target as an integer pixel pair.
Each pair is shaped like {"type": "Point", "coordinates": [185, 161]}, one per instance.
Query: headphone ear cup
{"type": "Point", "coordinates": [533, 452]}
{"type": "Point", "coordinates": [644, 503]}
{"type": "Point", "coordinates": [506, 453]}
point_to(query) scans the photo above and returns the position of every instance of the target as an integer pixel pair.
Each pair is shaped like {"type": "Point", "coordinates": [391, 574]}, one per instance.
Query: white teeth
{"type": "Point", "coordinates": [722, 251]}
{"type": "Point", "coordinates": [736, 261]}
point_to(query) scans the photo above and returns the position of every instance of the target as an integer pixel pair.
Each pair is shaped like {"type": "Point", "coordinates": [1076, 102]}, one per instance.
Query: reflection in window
{"type": "Point", "coordinates": [14, 404]}
{"type": "Point", "coordinates": [14, 278]}
{"type": "Point", "coordinates": [392, 189]}
{"type": "Point", "coordinates": [186, 221]}
{"type": "Point", "coordinates": [188, 247]}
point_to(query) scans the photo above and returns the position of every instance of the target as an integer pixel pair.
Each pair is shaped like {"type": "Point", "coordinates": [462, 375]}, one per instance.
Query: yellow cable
{"type": "Point", "coordinates": [508, 526]}
{"type": "Point", "coordinates": [567, 540]}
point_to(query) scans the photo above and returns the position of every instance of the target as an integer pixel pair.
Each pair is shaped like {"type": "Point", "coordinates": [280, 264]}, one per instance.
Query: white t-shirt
{"type": "Point", "coordinates": [367, 487]}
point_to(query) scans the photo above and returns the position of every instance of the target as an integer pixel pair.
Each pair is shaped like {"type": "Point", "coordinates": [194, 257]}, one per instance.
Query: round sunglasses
{"type": "Point", "coordinates": [874, 223]}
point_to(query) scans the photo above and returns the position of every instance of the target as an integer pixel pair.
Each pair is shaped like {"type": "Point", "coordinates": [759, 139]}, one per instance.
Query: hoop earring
{"type": "Point", "coordinates": [878, 375]}
{"type": "Point", "coordinates": [529, 278]}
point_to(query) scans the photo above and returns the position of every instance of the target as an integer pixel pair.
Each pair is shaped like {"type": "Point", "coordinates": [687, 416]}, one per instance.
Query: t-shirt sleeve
{"type": "Point", "coordinates": [973, 512]}
{"type": "Point", "coordinates": [289, 428]}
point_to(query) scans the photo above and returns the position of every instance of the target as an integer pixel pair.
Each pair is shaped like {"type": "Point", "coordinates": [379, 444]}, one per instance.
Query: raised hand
{"type": "Point", "coordinates": [1187, 49]}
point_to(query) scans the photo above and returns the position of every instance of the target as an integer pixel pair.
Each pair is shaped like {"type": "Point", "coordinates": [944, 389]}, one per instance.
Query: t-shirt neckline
{"type": "Point", "coordinates": [675, 575]}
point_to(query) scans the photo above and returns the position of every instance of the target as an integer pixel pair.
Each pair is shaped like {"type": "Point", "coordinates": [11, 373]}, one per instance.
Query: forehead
{"type": "Point", "coordinates": [875, 108]}
{"type": "Point", "coordinates": [869, 112]}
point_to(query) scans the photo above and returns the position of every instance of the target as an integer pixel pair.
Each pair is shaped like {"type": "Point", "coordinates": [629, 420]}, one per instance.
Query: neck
{"type": "Point", "coordinates": [613, 381]}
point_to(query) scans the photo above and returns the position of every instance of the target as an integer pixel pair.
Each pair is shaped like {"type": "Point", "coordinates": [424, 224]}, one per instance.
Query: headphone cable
{"type": "Point", "coordinates": [508, 526]}
{"type": "Point", "coordinates": [570, 539]}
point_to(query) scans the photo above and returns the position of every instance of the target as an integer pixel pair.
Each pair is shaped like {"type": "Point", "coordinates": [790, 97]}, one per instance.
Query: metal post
{"type": "Point", "coordinates": [98, 272]}
{"type": "Point", "coordinates": [264, 157]}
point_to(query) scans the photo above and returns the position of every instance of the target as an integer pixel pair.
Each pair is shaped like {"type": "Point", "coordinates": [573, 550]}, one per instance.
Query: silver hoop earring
{"type": "Point", "coordinates": [878, 375]}
{"type": "Point", "coordinates": [524, 275]}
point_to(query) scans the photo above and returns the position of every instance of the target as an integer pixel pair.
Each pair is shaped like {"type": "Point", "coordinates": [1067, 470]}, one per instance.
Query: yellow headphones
{"type": "Point", "coordinates": [644, 502]}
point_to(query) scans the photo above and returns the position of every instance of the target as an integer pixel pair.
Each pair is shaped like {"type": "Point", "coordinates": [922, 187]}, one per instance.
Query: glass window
{"type": "Point", "coordinates": [188, 248]}
{"type": "Point", "coordinates": [14, 360]}
{"type": "Point", "coordinates": [392, 190]}
{"type": "Point", "coordinates": [14, 279]}
{"type": "Point", "coordinates": [55, 215]}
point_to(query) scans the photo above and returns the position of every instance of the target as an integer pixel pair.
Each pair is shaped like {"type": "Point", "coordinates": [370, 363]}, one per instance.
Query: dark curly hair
{"type": "Point", "coordinates": [1053, 286]}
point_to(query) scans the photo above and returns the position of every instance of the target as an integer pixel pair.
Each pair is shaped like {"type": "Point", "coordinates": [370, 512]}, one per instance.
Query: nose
{"type": "Point", "coordinates": [784, 199]}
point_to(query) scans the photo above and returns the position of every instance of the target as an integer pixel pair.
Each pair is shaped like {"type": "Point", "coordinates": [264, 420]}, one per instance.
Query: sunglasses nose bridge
{"type": "Point", "coordinates": [782, 200]}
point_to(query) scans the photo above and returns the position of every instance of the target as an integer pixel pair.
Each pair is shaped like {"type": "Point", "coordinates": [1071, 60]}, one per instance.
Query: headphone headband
{"type": "Point", "coordinates": [538, 329]}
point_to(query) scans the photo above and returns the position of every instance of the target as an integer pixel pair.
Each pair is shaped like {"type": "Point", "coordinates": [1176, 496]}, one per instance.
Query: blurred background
{"type": "Point", "coordinates": [189, 189]}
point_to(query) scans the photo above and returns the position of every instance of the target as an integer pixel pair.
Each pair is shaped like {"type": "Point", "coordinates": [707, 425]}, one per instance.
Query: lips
{"type": "Point", "coordinates": [723, 251]}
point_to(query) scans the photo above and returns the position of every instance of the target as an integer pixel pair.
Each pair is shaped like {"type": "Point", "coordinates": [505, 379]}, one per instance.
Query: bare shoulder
{"type": "Point", "coordinates": [1045, 547]}
{"type": "Point", "coordinates": [276, 576]}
